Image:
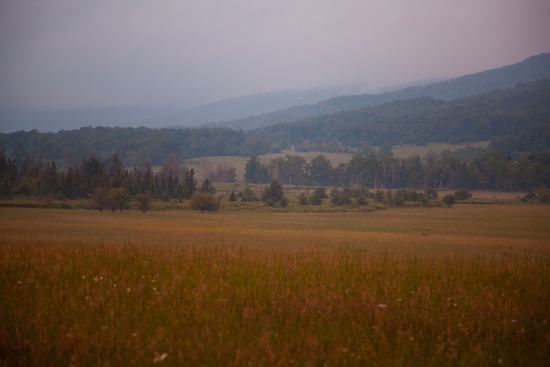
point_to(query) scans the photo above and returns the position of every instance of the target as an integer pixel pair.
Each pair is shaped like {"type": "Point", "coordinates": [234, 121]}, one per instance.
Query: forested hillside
{"type": "Point", "coordinates": [516, 120]}
{"type": "Point", "coordinates": [531, 69]}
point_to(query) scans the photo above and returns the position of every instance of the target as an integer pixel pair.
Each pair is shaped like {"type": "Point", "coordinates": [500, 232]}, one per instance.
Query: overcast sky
{"type": "Point", "coordinates": [70, 53]}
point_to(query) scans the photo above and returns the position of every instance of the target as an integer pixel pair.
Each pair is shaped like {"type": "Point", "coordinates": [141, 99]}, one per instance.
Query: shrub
{"type": "Point", "coordinates": [274, 195]}
{"type": "Point", "coordinates": [462, 195]}
{"type": "Point", "coordinates": [204, 201]}
{"type": "Point", "coordinates": [144, 201]}
{"type": "Point", "coordinates": [340, 197]}
{"type": "Point", "coordinates": [248, 195]}
{"type": "Point", "coordinates": [449, 200]}
{"type": "Point", "coordinates": [361, 200]}
{"type": "Point", "coordinates": [318, 195]}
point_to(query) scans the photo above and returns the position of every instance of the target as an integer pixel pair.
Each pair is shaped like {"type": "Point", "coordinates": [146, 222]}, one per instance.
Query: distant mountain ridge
{"type": "Point", "coordinates": [242, 107]}
{"type": "Point", "coordinates": [159, 116]}
{"type": "Point", "coordinates": [530, 69]}
{"type": "Point", "coordinates": [253, 111]}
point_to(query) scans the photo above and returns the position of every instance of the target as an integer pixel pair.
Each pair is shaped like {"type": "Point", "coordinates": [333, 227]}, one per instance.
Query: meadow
{"type": "Point", "coordinates": [459, 286]}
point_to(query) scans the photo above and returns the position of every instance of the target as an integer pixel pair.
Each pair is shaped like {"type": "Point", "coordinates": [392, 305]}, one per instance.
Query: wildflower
{"type": "Point", "coordinates": [160, 358]}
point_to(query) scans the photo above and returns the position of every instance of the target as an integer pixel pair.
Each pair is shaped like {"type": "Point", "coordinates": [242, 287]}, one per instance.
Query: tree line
{"type": "Point", "coordinates": [108, 182]}
{"type": "Point", "coordinates": [491, 170]}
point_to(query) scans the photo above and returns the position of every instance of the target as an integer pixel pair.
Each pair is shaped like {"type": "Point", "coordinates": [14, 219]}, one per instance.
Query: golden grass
{"type": "Point", "coordinates": [355, 289]}
{"type": "Point", "coordinates": [463, 228]}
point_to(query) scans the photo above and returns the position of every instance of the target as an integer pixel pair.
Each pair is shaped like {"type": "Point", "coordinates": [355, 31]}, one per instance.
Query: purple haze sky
{"type": "Point", "coordinates": [73, 53]}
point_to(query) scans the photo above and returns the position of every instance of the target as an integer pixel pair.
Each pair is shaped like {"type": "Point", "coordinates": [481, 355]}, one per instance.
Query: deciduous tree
{"type": "Point", "coordinates": [204, 201]}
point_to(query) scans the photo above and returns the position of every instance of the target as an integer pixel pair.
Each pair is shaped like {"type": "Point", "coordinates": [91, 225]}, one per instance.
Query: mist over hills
{"type": "Point", "coordinates": [264, 109]}
{"type": "Point", "coordinates": [74, 118]}
{"type": "Point", "coordinates": [515, 120]}
{"type": "Point", "coordinates": [244, 106]}
{"type": "Point", "coordinates": [531, 69]}
{"type": "Point", "coordinates": [159, 116]}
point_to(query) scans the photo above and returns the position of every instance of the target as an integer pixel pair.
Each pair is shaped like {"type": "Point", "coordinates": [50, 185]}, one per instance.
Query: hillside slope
{"type": "Point", "coordinates": [531, 69]}
{"type": "Point", "coordinates": [517, 119]}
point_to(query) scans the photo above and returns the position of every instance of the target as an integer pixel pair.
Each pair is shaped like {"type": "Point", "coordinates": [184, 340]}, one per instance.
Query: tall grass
{"type": "Point", "coordinates": [85, 288]}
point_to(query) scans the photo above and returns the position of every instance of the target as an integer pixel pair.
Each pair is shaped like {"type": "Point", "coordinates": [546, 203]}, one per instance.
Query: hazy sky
{"type": "Point", "coordinates": [71, 53]}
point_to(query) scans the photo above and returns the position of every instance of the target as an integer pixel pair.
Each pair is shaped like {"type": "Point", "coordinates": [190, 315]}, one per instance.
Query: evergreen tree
{"type": "Point", "coordinates": [207, 186]}
{"type": "Point", "coordinates": [274, 195]}
{"type": "Point", "coordinates": [250, 169]}
{"type": "Point", "coordinates": [189, 184]}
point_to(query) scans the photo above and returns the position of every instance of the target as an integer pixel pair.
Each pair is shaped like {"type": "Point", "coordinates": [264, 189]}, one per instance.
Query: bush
{"type": "Point", "coordinates": [462, 195]}
{"type": "Point", "coordinates": [318, 196]}
{"type": "Point", "coordinates": [361, 201]}
{"type": "Point", "coordinates": [144, 201]}
{"type": "Point", "coordinates": [449, 200]}
{"type": "Point", "coordinates": [274, 195]}
{"type": "Point", "coordinates": [248, 195]}
{"type": "Point", "coordinates": [204, 201]}
{"type": "Point", "coordinates": [340, 197]}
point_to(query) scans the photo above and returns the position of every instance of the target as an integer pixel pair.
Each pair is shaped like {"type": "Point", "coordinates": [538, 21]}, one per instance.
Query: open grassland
{"type": "Point", "coordinates": [181, 288]}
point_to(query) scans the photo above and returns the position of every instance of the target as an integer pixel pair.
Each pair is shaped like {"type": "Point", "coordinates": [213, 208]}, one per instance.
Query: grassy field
{"type": "Point", "coordinates": [454, 287]}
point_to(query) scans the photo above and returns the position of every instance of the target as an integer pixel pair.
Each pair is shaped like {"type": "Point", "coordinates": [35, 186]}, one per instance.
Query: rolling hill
{"type": "Point", "coordinates": [531, 69]}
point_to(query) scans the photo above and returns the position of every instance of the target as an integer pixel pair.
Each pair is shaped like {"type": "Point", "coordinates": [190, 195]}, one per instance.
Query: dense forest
{"type": "Point", "coordinates": [516, 120]}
